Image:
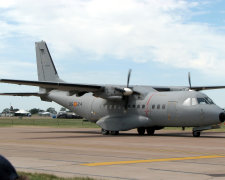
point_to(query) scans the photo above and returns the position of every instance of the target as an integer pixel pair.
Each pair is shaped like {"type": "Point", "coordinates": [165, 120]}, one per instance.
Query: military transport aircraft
{"type": "Point", "coordinates": [120, 108]}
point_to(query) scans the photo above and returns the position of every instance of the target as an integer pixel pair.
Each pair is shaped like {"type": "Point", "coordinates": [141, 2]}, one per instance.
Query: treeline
{"type": "Point", "coordinates": [33, 110]}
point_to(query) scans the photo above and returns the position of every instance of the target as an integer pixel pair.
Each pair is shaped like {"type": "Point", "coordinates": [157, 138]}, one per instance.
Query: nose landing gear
{"type": "Point", "coordinates": [105, 132]}
{"type": "Point", "coordinates": [196, 132]}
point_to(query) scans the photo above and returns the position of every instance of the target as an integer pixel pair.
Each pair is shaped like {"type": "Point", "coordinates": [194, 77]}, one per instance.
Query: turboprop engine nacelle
{"type": "Point", "coordinates": [127, 91]}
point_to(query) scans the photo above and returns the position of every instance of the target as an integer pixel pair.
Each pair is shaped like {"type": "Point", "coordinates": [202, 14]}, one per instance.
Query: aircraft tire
{"type": "Point", "coordinates": [196, 133]}
{"type": "Point", "coordinates": [150, 131]}
{"type": "Point", "coordinates": [141, 131]}
{"type": "Point", "coordinates": [115, 132]}
{"type": "Point", "coordinates": [105, 132]}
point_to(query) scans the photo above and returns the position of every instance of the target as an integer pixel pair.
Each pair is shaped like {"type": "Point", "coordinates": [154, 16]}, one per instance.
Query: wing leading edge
{"type": "Point", "coordinates": [56, 85]}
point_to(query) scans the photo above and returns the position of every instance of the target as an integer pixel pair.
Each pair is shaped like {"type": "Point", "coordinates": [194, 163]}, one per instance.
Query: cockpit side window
{"type": "Point", "coordinates": [194, 102]}
{"type": "Point", "coordinates": [187, 102]}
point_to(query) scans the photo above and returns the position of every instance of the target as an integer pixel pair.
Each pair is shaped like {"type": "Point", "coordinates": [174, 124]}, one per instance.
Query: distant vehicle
{"type": "Point", "coordinates": [67, 115]}
{"type": "Point", "coordinates": [123, 107]}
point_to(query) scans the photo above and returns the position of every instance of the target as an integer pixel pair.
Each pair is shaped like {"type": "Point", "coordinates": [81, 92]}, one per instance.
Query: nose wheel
{"type": "Point", "coordinates": [105, 132]}
{"type": "Point", "coordinates": [196, 133]}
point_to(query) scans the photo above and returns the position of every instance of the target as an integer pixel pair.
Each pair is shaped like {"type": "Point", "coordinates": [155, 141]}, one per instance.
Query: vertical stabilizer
{"type": "Point", "coordinates": [45, 66]}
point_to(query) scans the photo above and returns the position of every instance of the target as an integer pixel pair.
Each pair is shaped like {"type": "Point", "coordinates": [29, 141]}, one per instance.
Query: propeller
{"type": "Point", "coordinates": [189, 79]}
{"type": "Point", "coordinates": [128, 77]}
{"type": "Point", "coordinates": [127, 91]}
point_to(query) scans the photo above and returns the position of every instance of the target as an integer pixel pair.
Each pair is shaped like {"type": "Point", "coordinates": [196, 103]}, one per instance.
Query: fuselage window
{"type": "Point", "coordinates": [153, 106]}
{"type": "Point", "coordinates": [134, 106]}
{"type": "Point", "coordinates": [163, 106]}
{"type": "Point", "coordinates": [143, 106]}
{"type": "Point", "coordinates": [128, 105]}
{"type": "Point", "coordinates": [138, 106]}
{"type": "Point", "coordinates": [158, 106]}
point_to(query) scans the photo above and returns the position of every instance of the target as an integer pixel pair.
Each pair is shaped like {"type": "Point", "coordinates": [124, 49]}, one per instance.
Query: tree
{"type": "Point", "coordinates": [6, 110]}
{"type": "Point", "coordinates": [51, 110]}
{"type": "Point", "coordinates": [34, 111]}
{"type": "Point", "coordinates": [63, 109]}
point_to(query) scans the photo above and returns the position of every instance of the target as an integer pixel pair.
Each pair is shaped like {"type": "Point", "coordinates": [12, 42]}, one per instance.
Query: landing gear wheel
{"type": "Point", "coordinates": [150, 131]}
{"type": "Point", "coordinates": [141, 131]}
{"type": "Point", "coordinates": [105, 132]}
{"type": "Point", "coordinates": [115, 132]}
{"type": "Point", "coordinates": [196, 133]}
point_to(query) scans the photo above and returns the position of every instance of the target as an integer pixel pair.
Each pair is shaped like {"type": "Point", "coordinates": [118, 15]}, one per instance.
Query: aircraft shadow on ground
{"type": "Point", "coordinates": [97, 134]}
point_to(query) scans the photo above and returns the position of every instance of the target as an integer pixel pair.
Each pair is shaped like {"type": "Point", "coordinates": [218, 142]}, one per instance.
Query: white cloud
{"type": "Point", "coordinates": [150, 30]}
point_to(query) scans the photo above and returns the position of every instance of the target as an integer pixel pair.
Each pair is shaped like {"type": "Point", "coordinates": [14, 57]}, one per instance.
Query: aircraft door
{"type": "Point", "coordinates": [172, 111]}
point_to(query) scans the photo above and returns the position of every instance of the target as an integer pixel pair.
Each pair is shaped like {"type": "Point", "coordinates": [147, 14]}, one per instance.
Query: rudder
{"type": "Point", "coordinates": [45, 66]}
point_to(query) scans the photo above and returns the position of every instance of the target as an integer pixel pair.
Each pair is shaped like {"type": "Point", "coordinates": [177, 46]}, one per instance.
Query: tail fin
{"type": "Point", "coordinates": [45, 66]}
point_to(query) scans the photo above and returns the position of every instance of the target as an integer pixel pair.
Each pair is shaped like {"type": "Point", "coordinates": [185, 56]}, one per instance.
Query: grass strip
{"type": "Point", "coordinates": [41, 176]}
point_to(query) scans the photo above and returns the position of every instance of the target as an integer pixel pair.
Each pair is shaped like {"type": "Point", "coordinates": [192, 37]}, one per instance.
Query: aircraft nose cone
{"type": "Point", "coordinates": [222, 117]}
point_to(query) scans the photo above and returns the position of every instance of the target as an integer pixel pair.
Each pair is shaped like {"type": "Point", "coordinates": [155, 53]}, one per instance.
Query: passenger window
{"type": "Point", "coordinates": [138, 106]}
{"type": "Point", "coordinates": [134, 106]}
{"type": "Point", "coordinates": [158, 106]}
{"type": "Point", "coordinates": [143, 106]}
{"type": "Point", "coordinates": [163, 106]}
{"type": "Point", "coordinates": [128, 106]}
{"type": "Point", "coordinates": [153, 106]}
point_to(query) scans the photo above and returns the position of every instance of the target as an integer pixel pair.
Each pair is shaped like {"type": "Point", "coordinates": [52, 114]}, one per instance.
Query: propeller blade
{"type": "Point", "coordinates": [189, 79]}
{"type": "Point", "coordinates": [128, 78]}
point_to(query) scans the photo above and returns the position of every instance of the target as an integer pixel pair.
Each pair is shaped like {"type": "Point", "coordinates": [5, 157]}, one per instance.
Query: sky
{"type": "Point", "coordinates": [98, 41]}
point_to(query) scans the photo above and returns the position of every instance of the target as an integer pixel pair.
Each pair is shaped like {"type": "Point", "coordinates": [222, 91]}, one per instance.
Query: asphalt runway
{"type": "Point", "coordinates": [71, 152]}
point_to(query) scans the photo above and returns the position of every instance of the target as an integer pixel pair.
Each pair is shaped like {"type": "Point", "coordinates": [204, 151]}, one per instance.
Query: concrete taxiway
{"type": "Point", "coordinates": [85, 152]}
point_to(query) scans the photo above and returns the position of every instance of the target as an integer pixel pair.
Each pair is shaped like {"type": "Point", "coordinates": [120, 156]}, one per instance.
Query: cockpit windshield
{"type": "Point", "coordinates": [195, 101]}
{"type": "Point", "coordinates": [202, 101]}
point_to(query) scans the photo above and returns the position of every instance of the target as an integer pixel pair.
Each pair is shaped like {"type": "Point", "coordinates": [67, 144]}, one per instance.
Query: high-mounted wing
{"type": "Point", "coordinates": [20, 94]}
{"type": "Point", "coordinates": [56, 85]}
{"type": "Point", "coordinates": [200, 88]}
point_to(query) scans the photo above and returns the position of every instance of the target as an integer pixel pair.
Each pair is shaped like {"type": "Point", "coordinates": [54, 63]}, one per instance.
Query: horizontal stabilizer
{"type": "Point", "coordinates": [20, 94]}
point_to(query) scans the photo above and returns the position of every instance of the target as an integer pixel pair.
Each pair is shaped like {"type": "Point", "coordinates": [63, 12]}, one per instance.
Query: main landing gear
{"type": "Point", "coordinates": [150, 131]}
{"type": "Point", "coordinates": [105, 132]}
{"type": "Point", "coordinates": [196, 133]}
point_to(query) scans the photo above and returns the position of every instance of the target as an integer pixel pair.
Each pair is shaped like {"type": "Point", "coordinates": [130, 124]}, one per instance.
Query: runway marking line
{"type": "Point", "coordinates": [151, 160]}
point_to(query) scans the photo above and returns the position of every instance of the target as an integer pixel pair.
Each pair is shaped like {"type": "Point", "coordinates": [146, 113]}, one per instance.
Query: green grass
{"type": "Point", "coordinates": [40, 121]}
{"type": "Point", "coordinates": [38, 176]}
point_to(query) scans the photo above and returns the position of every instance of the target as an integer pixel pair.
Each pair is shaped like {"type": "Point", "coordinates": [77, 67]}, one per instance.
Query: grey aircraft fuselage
{"type": "Point", "coordinates": [164, 109]}
{"type": "Point", "coordinates": [119, 108]}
